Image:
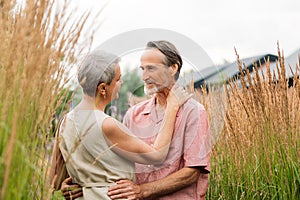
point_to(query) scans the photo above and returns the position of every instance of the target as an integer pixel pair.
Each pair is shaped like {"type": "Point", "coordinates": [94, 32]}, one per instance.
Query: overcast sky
{"type": "Point", "coordinates": [253, 27]}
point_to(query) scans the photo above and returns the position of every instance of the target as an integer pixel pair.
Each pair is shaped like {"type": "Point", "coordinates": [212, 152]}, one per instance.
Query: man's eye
{"type": "Point", "coordinates": [151, 68]}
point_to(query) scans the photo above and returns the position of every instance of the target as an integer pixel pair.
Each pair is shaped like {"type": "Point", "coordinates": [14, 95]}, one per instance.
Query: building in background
{"type": "Point", "coordinates": [217, 75]}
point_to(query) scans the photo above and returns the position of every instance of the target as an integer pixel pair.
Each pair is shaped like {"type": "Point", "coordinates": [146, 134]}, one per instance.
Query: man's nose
{"type": "Point", "coordinates": [145, 75]}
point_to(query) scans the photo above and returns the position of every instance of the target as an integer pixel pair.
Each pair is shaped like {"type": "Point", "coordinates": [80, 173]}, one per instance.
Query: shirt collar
{"type": "Point", "coordinates": [150, 109]}
{"type": "Point", "coordinates": [149, 106]}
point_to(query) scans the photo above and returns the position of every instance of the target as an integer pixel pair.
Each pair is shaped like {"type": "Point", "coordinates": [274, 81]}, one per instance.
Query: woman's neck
{"type": "Point", "coordinates": [91, 103]}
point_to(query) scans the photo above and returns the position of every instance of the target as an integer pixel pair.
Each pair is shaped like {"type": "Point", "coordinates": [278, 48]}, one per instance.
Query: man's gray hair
{"type": "Point", "coordinates": [172, 55]}
{"type": "Point", "coordinates": [98, 67]}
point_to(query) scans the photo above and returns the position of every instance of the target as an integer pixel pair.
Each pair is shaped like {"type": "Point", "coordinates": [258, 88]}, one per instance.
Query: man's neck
{"type": "Point", "coordinates": [161, 98]}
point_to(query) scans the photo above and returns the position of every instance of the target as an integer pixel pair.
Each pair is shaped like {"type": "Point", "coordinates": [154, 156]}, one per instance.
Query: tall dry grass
{"type": "Point", "coordinates": [38, 46]}
{"type": "Point", "coordinates": [257, 154]}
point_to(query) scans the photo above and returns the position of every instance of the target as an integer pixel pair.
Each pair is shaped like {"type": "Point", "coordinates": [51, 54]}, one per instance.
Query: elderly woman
{"type": "Point", "coordinates": [99, 150]}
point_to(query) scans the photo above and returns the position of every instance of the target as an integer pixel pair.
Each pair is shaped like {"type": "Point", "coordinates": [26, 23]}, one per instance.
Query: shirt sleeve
{"type": "Point", "coordinates": [197, 142]}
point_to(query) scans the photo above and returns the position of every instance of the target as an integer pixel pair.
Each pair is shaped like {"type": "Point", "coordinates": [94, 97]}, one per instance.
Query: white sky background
{"type": "Point", "coordinates": [253, 27]}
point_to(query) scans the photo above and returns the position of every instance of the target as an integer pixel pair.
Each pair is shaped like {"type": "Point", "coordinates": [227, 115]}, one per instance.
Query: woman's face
{"type": "Point", "coordinates": [114, 87]}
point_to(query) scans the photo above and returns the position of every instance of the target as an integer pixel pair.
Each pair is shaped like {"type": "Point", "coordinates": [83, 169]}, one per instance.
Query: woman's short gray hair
{"type": "Point", "coordinates": [99, 67]}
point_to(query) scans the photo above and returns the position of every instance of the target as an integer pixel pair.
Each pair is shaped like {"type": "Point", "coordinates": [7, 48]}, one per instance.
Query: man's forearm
{"type": "Point", "coordinates": [172, 183]}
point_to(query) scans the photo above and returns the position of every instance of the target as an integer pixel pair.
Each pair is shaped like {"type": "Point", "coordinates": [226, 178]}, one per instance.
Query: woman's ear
{"type": "Point", "coordinates": [102, 89]}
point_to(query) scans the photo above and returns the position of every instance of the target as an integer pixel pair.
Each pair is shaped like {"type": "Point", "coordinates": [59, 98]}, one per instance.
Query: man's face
{"type": "Point", "coordinates": [156, 74]}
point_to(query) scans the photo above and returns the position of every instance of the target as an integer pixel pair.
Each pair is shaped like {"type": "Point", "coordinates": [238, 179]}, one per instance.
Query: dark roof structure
{"type": "Point", "coordinates": [291, 63]}
{"type": "Point", "coordinates": [219, 74]}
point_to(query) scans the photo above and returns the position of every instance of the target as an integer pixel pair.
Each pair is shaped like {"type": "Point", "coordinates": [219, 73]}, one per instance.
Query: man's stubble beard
{"type": "Point", "coordinates": [153, 90]}
{"type": "Point", "coordinates": [150, 92]}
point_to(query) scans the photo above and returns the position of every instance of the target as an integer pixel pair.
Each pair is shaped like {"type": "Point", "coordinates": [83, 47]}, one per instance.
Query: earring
{"type": "Point", "coordinates": [104, 95]}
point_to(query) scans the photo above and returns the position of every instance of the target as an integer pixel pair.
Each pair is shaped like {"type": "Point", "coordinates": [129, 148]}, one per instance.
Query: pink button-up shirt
{"type": "Point", "coordinates": [190, 146]}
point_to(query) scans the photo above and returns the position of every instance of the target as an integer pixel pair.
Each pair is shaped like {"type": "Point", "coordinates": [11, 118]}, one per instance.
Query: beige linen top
{"type": "Point", "coordinates": [89, 159]}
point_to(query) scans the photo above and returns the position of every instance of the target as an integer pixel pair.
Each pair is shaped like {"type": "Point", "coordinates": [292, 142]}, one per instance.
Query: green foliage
{"type": "Point", "coordinates": [65, 98]}
{"type": "Point", "coordinates": [57, 195]}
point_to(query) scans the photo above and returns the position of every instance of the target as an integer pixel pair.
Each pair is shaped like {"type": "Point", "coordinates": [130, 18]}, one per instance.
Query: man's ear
{"type": "Point", "coordinates": [102, 88]}
{"type": "Point", "coordinates": [173, 69]}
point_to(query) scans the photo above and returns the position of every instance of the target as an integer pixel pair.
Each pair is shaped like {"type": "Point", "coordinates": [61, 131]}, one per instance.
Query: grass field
{"type": "Point", "coordinates": [37, 51]}
{"type": "Point", "coordinates": [256, 151]}
{"type": "Point", "coordinates": [257, 154]}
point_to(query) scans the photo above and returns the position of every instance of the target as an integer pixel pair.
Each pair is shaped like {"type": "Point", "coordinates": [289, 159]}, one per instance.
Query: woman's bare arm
{"type": "Point", "coordinates": [135, 149]}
